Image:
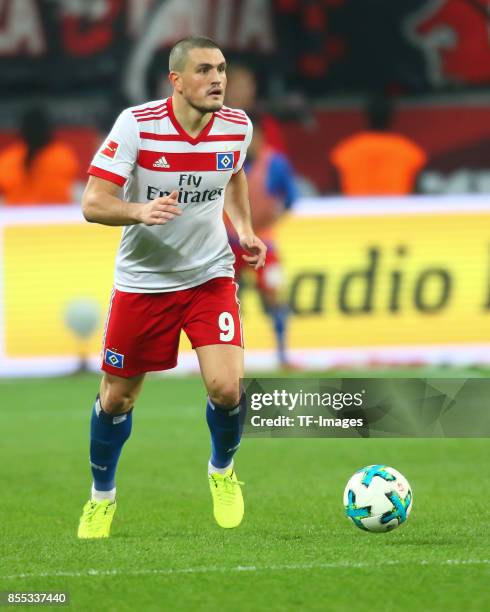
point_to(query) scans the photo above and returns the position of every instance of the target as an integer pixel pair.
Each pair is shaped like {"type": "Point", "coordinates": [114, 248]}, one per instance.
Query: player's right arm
{"type": "Point", "coordinates": [101, 204]}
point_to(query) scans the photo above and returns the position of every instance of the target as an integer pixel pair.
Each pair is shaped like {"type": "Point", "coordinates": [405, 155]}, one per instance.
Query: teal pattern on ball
{"type": "Point", "coordinates": [400, 508]}
{"type": "Point", "coordinates": [375, 470]}
{"type": "Point", "coordinates": [354, 512]}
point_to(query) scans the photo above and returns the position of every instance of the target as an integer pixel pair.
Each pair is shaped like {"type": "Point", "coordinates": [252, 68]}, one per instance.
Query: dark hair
{"type": "Point", "coordinates": [178, 53]}
{"type": "Point", "coordinates": [379, 113]}
{"type": "Point", "coordinates": [36, 130]}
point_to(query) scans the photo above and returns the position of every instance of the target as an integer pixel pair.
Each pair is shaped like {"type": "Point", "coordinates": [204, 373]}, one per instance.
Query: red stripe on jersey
{"type": "Point", "coordinates": [229, 111]}
{"type": "Point", "coordinates": [105, 174]}
{"type": "Point", "coordinates": [150, 109]}
{"type": "Point", "coordinates": [164, 111]}
{"type": "Point", "coordinates": [165, 137]}
{"type": "Point", "coordinates": [177, 137]}
{"type": "Point", "coordinates": [159, 161]}
{"type": "Point", "coordinates": [153, 117]}
{"type": "Point", "coordinates": [233, 117]}
{"type": "Point", "coordinates": [220, 137]}
{"type": "Point", "coordinates": [226, 118]}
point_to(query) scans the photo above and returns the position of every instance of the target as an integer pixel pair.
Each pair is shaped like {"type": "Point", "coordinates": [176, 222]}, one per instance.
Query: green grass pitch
{"type": "Point", "coordinates": [295, 549]}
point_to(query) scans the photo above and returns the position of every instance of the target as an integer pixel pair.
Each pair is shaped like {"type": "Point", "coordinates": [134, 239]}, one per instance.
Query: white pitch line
{"type": "Point", "coordinates": [242, 568]}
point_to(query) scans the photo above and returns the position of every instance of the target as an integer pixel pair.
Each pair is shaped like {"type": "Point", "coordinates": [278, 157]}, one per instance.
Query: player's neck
{"type": "Point", "coordinates": [192, 120]}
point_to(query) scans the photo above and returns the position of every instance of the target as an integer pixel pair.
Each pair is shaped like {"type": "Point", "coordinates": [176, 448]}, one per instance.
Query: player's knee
{"type": "Point", "coordinates": [115, 401]}
{"type": "Point", "coordinates": [225, 393]}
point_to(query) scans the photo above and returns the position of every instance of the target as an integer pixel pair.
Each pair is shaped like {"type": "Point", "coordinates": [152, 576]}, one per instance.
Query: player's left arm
{"type": "Point", "coordinates": [237, 207]}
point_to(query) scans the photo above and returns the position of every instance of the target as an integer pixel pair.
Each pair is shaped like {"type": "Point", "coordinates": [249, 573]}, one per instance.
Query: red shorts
{"type": "Point", "coordinates": [143, 329]}
{"type": "Point", "coordinates": [270, 276]}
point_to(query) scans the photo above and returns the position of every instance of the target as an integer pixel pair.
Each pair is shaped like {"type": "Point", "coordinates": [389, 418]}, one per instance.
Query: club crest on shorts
{"type": "Point", "coordinates": [116, 360]}
{"type": "Point", "coordinates": [224, 161]}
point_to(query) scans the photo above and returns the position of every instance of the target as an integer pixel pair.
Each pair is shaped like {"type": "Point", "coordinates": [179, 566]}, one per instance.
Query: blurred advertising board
{"type": "Point", "coordinates": [368, 281]}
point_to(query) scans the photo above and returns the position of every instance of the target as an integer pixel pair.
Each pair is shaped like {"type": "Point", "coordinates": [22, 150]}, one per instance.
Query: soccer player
{"type": "Point", "coordinates": [174, 268]}
{"type": "Point", "coordinates": [273, 191]}
{"type": "Point", "coordinates": [241, 92]}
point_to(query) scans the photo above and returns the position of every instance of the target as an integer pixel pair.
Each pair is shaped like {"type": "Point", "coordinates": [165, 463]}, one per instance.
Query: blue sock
{"type": "Point", "coordinates": [226, 428]}
{"type": "Point", "coordinates": [108, 433]}
{"type": "Point", "coordinates": [279, 315]}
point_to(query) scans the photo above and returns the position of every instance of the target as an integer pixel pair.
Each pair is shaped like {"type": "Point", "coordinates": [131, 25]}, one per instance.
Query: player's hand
{"type": "Point", "coordinates": [160, 210]}
{"type": "Point", "coordinates": [257, 249]}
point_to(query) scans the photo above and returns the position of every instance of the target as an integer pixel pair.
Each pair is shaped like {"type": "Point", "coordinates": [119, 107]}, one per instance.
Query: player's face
{"type": "Point", "coordinates": [203, 80]}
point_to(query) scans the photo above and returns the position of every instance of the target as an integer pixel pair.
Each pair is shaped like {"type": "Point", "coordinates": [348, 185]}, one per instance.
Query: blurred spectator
{"type": "Point", "coordinates": [378, 161]}
{"type": "Point", "coordinates": [241, 92]}
{"type": "Point", "coordinates": [272, 192]}
{"type": "Point", "coordinates": [36, 168]}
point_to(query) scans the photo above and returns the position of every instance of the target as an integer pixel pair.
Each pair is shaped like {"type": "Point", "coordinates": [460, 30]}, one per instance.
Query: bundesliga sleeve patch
{"type": "Point", "coordinates": [110, 149]}
{"type": "Point", "coordinates": [116, 360]}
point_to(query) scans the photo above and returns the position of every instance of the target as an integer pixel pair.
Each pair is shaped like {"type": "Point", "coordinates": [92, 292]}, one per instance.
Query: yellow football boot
{"type": "Point", "coordinates": [96, 519]}
{"type": "Point", "coordinates": [227, 498]}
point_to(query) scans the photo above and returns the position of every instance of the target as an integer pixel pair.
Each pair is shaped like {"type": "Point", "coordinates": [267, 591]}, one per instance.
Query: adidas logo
{"type": "Point", "coordinates": [161, 163]}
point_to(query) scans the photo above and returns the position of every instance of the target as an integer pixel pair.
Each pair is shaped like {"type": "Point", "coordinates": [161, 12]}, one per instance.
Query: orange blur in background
{"type": "Point", "coordinates": [49, 179]}
{"type": "Point", "coordinates": [376, 163]}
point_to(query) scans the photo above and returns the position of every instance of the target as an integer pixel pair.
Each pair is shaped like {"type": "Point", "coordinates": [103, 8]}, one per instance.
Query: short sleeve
{"type": "Point", "coordinates": [244, 147]}
{"type": "Point", "coordinates": [115, 159]}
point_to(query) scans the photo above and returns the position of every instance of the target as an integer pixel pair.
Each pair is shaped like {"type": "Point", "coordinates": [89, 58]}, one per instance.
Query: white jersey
{"type": "Point", "coordinates": [149, 153]}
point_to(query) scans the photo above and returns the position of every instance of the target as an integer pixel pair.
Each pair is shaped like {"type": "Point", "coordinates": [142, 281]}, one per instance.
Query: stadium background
{"type": "Point", "coordinates": [316, 61]}
{"type": "Point", "coordinates": [85, 60]}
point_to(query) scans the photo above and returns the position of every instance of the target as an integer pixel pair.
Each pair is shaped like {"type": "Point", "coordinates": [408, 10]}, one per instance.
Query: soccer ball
{"type": "Point", "coordinates": [378, 498]}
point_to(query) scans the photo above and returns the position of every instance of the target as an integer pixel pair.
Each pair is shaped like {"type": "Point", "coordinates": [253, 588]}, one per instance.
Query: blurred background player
{"type": "Point", "coordinates": [378, 161]}
{"type": "Point", "coordinates": [241, 92]}
{"type": "Point", "coordinates": [37, 168]}
{"type": "Point", "coordinates": [272, 191]}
